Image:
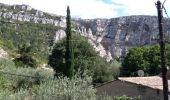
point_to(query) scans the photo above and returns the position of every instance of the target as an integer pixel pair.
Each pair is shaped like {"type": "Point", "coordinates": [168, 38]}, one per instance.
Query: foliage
{"type": "Point", "coordinates": [116, 66]}
{"type": "Point", "coordinates": [143, 58]}
{"type": "Point", "coordinates": [6, 62]}
{"type": "Point", "coordinates": [38, 35]}
{"type": "Point", "coordinates": [61, 88]}
{"type": "Point", "coordinates": [123, 97]}
{"type": "Point", "coordinates": [25, 57]}
{"type": "Point", "coordinates": [66, 89]}
{"type": "Point", "coordinates": [3, 80]}
{"type": "Point", "coordinates": [103, 71]}
{"type": "Point", "coordinates": [57, 58]}
{"type": "Point", "coordinates": [85, 58]}
{"type": "Point", "coordinates": [15, 84]}
{"type": "Point", "coordinates": [17, 79]}
{"type": "Point", "coordinates": [38, 84]}
{"type": "Point", "coordinates": [69, 56]}
{"type": "Point", "coordinates": [168, 53]}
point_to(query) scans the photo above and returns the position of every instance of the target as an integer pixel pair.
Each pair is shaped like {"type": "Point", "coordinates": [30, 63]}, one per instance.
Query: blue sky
{"type": "Point", "coordinates": [107, 1]}
{"type": "Point", "coordinates": [94, 8]}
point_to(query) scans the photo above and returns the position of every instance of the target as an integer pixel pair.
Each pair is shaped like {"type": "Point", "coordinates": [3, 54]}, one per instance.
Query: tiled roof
{"type": "Point", "coordinates": [154, 82]}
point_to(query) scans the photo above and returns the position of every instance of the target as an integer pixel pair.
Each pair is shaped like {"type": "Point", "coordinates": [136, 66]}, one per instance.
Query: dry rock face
{"type": "Point", "coordinates": [110, 37]}
{"type": "Point", "coordinates": [117, 35]}
{"type": "Point", "coordinates": [28, 14]}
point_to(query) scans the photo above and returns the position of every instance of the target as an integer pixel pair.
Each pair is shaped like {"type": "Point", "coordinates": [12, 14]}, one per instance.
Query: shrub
{"type": "Point", "coordinates": [25, 57]}
{"type": "Point", "coordinates": [6, 62]}
{"type": "Point", "coordinates": [61, 88]}
{"type": "Point", "coordinates": [66, 89]}
{"type": "Point", "coordinates": [3, 81]}
{"type": "Point", "coordinates": [17, 79]}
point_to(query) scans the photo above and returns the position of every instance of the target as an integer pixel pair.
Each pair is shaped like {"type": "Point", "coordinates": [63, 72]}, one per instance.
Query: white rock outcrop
{"type": "Point", "coordinates": [3, 53]}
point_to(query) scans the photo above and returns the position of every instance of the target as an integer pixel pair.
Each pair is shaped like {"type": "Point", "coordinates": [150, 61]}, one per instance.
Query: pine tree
{"type": "Point", "coordinates": [69, 49]}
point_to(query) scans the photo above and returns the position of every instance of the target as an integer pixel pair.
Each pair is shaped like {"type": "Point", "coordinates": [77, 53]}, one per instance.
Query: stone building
{"type": "Point", "coordinates": [147, 88]}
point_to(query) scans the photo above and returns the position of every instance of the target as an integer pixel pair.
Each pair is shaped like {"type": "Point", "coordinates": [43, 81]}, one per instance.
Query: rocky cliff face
{"type": "Point", "coordinates": [110, 37]}
{"type": "Point", "coordinates": [28, 14]}
{"type": "Point", "coordinates": [117, 35]}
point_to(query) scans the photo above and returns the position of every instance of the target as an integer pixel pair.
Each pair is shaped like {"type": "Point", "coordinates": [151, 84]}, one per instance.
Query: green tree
{"type": "Point", "coordinates": [168, 54]}
{"type": "Point", "coordinates": [152, 56]}
{"type": "Point", "coordinates": [133, 62]}
{"type": "Point", "coordinates": [69, 49]}
{"type": "Point", "coordinates": [84, 56]}
{"type": "Point", "coordinates": [86, 60]}
{"type": "Point", "coordinates": [145, 58]}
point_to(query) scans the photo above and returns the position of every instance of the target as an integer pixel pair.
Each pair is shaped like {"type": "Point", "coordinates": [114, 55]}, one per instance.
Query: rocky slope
{"type": "Point", "coordinates": [110, 37]}
{"type": "Point", "coordinates": [113, 37]}
{"type": "Point", "coordinates": [28, 14]}
{"type": "Point", "coordinates": [117, 35]}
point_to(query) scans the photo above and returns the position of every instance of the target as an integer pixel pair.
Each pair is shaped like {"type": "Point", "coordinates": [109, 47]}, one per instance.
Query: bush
{"type": "Point", "coordinates": [103, 71]}
{"type": "Point", "coordinates": [4, 63]}
{"type": "Point", "coordinates": [19, 95]}
{"type": "Point", "coordinates": [61, 88]}
{"type": "Point", "coordinates": [66, 89]}
{"type": "Point", "coordinates": [25, 58]}
{"type": "Point", "coordinates": [17, 79]}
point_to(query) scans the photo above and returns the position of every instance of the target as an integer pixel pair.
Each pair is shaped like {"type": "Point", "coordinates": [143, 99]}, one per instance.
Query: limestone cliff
{"type": "Point", "coordinates": [117, 35]}
{"type": "Point", "coordinates": [110, 37]}
{"type": "Point", "coordinates": [28, 14]}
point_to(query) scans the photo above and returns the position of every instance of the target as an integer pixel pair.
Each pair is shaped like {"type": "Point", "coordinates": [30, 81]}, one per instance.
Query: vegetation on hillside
{"type": "Point", "coordinates": [75, 62]}
{"type": "Point", "coordinates": [39, 36]}
{"type": "Point", "coordinates": [24, 57]}
{"type": "Point", "coordinates": [144, 58]}
{"type": "Point", "coordinates": [39, 84]}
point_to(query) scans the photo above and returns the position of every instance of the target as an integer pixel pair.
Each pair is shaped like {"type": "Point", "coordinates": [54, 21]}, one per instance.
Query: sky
{"type": "Point", "coordinates": [89, 9]}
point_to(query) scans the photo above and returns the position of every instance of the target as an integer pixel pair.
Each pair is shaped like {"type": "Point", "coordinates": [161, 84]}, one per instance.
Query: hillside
{"type": "Point", "coordinates": [110, 37]}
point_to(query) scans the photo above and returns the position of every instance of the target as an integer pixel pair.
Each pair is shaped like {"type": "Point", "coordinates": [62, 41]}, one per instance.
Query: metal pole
{"type": "Point", "coordinates": [162, 51]}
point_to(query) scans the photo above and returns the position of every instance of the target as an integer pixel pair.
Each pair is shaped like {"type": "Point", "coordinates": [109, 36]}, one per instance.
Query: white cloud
{"type": "Point", "coordinates": [80, 8]}
{"type": "Point", "coordinates": [141, 7]}
{"type": "Point", "coordinates": [94, 8]}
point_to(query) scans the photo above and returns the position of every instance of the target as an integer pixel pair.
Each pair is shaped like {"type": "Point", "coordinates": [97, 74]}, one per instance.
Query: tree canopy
{"type": "Point", "coordinates": [86, 60]}
{"type": "Point", "coordinates": [143, 58]}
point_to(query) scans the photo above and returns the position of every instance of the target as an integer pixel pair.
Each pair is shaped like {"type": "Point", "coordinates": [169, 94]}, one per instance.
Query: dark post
{"type": "Point", "coordinates": [162, 51]}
